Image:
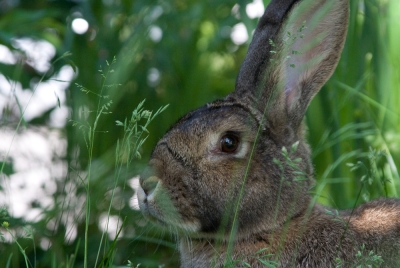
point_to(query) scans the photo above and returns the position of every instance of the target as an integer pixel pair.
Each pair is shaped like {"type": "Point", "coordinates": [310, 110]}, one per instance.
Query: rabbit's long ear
{"type": "Point", "coordinates": [294, 51]}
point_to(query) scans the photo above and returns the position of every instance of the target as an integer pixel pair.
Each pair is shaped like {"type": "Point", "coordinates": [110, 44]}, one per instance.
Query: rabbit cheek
{"type": "Point", "coordinates": [181, 195]}
{"type": "Point", "coordinates": [164, 195]}
{"type": "Point", "coordinates": [214, 194]}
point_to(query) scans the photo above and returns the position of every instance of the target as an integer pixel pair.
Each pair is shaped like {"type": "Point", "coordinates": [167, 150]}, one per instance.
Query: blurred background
{"type": "Point", "coordinates": [179, 52]}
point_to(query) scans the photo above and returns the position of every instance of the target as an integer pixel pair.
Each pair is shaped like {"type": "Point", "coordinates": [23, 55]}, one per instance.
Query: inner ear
{"type": "Point", "coordinates": [292, 96]}
{"type": "Point", "coordinates": [308, 49]}
{"type": "Point", "coordinates": [304, 45]}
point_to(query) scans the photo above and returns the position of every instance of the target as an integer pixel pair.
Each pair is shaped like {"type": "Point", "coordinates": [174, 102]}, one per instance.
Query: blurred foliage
{"type": "Point", "coordinates": [181, 53]}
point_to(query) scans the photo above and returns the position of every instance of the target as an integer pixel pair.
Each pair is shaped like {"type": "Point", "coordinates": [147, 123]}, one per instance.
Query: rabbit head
{"type": "Point", "coordinates": [224, 163]}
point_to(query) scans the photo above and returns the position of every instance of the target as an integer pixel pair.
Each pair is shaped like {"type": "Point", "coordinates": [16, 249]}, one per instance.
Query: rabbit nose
{"type": "Point", "coordinates": [149, 184]}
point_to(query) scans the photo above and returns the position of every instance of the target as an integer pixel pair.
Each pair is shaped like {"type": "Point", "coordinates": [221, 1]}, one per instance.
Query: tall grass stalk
{"type": "Point", "coordinates": [90, 144]}
{"type": "Point", "coordinates": [135, 134]}
{"type": "Point", "coordinates": [233, 230]}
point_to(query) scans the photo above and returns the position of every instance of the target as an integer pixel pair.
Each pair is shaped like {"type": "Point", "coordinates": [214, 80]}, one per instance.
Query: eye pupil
{"type": "Point", "coordinates": [229, 143]}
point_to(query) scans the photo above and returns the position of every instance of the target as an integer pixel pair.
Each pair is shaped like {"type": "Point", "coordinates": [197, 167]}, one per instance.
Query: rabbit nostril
{"type": "Point", "coordinates": [149, 184]}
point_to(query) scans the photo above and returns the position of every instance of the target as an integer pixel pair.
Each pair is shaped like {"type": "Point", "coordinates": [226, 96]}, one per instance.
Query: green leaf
{"type": "Point", "coordinates": [7, 168]}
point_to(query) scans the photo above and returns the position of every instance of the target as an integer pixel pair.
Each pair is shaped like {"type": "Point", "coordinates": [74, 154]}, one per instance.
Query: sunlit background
{"type": "Point", "coordinates": [185, 53]}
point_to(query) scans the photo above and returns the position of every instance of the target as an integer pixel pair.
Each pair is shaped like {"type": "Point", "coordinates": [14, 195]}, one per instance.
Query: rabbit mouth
{"type": "Point", "coordinates": [148, 206]}
{"type": "Point", "coordinates": [152, 214]}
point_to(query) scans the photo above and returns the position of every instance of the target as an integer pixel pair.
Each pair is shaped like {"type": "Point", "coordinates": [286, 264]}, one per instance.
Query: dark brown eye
{"type": "Point", "coordinates": [229, 143]}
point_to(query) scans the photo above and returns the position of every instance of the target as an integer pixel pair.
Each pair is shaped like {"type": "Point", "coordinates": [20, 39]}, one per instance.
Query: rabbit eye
{"type": "Point", "coordinates": [229, 143]}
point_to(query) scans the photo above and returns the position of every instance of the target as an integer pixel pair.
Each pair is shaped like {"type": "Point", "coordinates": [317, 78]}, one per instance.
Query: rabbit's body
{"type": "Point", "coordinates": [232, 178]}
{"type": "Point", "coordinates": [313, 239]}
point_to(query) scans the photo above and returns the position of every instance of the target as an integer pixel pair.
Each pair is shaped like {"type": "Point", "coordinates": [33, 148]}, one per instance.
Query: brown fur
{"type": "Point", "coordinates": [193, 186]}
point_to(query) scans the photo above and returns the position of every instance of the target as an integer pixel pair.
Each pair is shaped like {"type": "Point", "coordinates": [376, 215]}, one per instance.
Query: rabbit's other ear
{"type": "Point", "coordinates": [295, 49]}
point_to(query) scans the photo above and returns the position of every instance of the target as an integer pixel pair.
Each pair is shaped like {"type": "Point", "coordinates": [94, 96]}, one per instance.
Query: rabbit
{"type": "Point", "coordinates": [233, 178]}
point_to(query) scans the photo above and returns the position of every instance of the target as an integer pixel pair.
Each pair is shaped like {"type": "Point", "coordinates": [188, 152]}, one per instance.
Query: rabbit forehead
{"type": "Point", "coordinates": [208, 121]}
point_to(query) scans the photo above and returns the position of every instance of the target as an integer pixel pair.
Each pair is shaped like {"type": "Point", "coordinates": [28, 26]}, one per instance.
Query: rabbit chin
{"type": "Point", "coordinates": [158, 208]}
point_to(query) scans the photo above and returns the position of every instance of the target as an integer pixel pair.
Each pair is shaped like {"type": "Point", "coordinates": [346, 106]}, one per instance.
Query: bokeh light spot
{"type": "Point", "coordinates": [80, 26]}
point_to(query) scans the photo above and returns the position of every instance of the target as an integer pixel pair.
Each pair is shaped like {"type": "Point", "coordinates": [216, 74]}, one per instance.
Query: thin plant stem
{"type": "Point", "coordinates": [241, 193]}
{"type": "Point", "coordinates": [92, 132]}
{"type": "Point", "coordinates": [5, 225]}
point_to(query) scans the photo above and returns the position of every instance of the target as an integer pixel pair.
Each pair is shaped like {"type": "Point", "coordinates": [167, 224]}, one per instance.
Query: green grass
{"type": "Point", "coordinates": [127, 149]}
{"type": "Point", "coordinates": [358, 107]}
